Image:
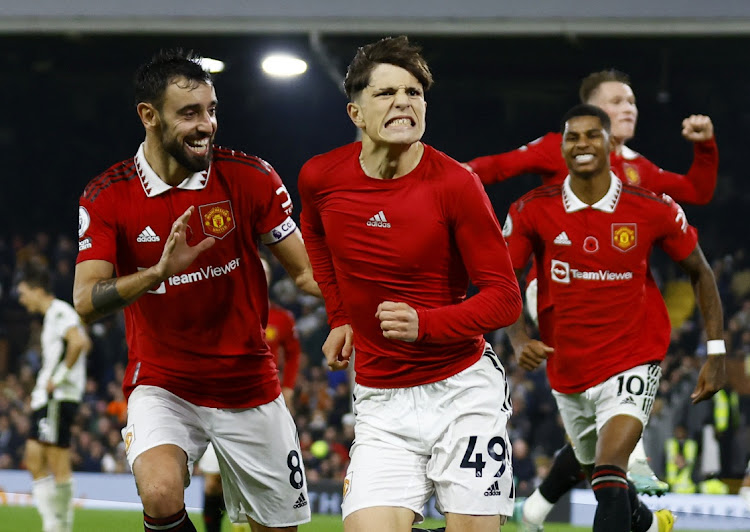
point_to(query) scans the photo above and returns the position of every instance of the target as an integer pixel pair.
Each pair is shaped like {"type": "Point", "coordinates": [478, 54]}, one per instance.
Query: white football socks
{"type": "Point", "coordinates": [43, 494]}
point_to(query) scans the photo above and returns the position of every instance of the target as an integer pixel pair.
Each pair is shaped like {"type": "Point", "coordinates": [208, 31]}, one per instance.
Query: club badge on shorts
{"type": "Point", "coordinates": [217, 219]}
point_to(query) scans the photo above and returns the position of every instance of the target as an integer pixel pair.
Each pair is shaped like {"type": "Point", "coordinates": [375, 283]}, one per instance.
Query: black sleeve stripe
{"type": "Point", "coordinates": [108, 178]}
{"type": "Point", "coordinates": [643, 193]}
{"type": "Point", "coordinates": [249, 162]}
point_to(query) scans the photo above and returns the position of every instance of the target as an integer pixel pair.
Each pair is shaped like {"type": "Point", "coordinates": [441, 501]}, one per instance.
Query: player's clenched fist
{"type": "Point", "coordinates": [696, 128]}
{"type": "Point", "coordinates": [398, 321]}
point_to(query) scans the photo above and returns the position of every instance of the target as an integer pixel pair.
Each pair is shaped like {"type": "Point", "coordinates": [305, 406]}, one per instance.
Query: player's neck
{"type": "Point", "coordinates": [618, 144]}
{"type": "Point", "coordinates": [389, 161]}
{"type": "Point", "coordinates": [45, 303]}
{"type": "Point", "coordinates": [591, 189]}
{"type": "Point", "coordinates": [164, 165]}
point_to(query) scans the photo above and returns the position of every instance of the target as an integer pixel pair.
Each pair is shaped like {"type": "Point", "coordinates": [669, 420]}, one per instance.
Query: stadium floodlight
{"type": "Point", "coordinates": [283, 66]}
{"type": "Point", "coordinates": [214, 66]}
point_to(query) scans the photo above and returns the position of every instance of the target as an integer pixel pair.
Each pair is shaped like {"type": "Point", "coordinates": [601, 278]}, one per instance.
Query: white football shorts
{"type": "Point", "coordinates": [257, 449]}
{"type": "Point", "coordinates": [447, 438]}
{"type": "Point", "coordinates": [629, 393]}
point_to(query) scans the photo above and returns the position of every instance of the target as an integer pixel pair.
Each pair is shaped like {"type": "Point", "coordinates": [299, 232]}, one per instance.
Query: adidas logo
{"type": "Point", "coordinates": [562, 239]}
{"type": "Point", "coordinates": [148, 235]}
{"type": "Point", "coordinates": [493, 490]}
{"type": "Point", "coordinates": [628, 401]}
{"type": "Point", "coordinates": [378, 220]}
{"type": "Point", "coordinates": [301, 501]}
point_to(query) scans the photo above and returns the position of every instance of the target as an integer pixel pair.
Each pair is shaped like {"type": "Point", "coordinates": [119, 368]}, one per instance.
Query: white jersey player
{"type": "Point", "coordinates": [55, 398]}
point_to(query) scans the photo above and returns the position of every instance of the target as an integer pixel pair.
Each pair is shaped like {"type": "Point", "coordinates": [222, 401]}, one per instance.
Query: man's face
{"type": "Point", "coordinates": [391, 109]}
{"type": "Point", "coordinates": [585, 146]}
{"type": "Point", "coordinates": [618, 101]}
{"type": "Point", "coordinates": [27, 296]}
{"type": "Point", "coordinates": [188, 123]}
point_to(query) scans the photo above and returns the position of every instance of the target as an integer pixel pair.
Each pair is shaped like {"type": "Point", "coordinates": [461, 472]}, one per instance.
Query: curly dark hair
{"type": "Point", "coordinates": [153, 78]}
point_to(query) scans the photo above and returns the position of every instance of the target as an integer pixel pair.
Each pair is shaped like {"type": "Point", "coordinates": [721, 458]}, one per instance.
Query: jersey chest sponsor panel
{"type": "Point", "coordinates": [390, 240]}
{"type": "Point", "coordinates": [200, 331]}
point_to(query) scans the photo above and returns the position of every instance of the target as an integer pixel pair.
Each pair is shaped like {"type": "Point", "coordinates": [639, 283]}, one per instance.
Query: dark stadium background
{"type": "Point", "coordinates": [68, 111]}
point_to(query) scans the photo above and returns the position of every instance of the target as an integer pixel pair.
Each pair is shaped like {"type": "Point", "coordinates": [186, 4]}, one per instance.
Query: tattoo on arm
{"type": "Point", "coordinates": [105, 298]}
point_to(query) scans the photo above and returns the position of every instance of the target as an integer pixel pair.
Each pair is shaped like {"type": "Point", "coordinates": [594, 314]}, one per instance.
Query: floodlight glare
{"type": "Point", "coordinates": [283, 66]}
{"type": "Point", "coordinates": [214, 66]}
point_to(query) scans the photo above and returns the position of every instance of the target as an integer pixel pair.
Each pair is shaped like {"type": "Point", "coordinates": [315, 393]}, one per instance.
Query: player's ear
{"type": "Point", "coordinates": [355, 114]}
{"type": "Point", "coordinates": [148, 114]}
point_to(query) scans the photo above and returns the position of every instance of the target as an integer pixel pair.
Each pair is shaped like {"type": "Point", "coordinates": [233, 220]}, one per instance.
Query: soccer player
{"type": "Point", "coordinates": [395, 230]}
{"type": "Point", "coordinates": [170, 236]}
{"type": "Point", "coordinates": [281, 337]}
{"type": "Point", "coordinates": [592, 236]}
{"type": "Point", "coordinates": [611, 91]}
{"type": "Point", "coordinates": [55, 398]}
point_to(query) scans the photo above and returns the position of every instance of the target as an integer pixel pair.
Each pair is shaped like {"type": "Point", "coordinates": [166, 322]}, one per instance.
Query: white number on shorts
{"type": "Point", "coordinates": [634, 385]}
{"type": "Point", "coordinates": [296, 478]}
{"type": "Point", "coordinates": [478, 464]}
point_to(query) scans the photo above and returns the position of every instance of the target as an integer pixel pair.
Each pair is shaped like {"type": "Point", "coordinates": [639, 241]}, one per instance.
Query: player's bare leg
{"type": "Point", "coordinates": [379, 518]}
{"type": "Point", "coordinates": [160, 475]}
{"type": "Point", "coordinates": [472, 523]}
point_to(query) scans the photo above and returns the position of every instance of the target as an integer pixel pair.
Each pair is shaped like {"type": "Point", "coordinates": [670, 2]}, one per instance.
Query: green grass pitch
{"type": "Point", "coordinates": [25, 519]}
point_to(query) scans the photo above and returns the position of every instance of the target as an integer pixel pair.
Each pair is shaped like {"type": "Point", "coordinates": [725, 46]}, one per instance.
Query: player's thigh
{"type": "Point", "coordinates": [34, 458]}
{"type": "Point", "coordinates": [578, 413]}
{"type": "Point", "coordinates": [471, 458]}
{"type": "Point", "coordinates": [473, 523]}
{"type": "Point", "coordinates": [261, 466]}
{"type": "Point", "coordinates": [160, 419]}
{"type": "Point", "coordinates": [380, 518]}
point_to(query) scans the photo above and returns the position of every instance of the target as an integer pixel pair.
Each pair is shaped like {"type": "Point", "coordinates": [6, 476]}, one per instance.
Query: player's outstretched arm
{"type": "Point", "coordinates": [712, 377]}
{"type": "Point", "coordinates": [96, 293]}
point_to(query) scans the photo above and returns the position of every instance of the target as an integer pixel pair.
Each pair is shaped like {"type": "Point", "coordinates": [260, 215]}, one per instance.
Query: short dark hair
{"type": "Point", "coordinates": [586, 109]}
{"type": "Point", "coordinates": [153, 78]}
{"type": "Point", "coordinates": [391, 50]}
{"type": "Point", "coordinates": [36, 274]}
{"type": "Point", "coordinates": [591, 83]}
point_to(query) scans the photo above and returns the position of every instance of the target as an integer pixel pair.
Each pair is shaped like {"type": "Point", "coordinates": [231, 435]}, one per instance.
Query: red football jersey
{"type": "Point", "coordinates": [594, 266]}
{"type": "Point", "coordinates": [282, 339]}
{"type": "Point", "coordinates": [417, 239]}
{"type": "Point", "coordinates": [199, 334]}
{"type": "Point", "coordinates": [543, 157]}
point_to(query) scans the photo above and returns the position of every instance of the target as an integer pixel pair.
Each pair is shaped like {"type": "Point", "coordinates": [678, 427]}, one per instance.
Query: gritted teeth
{"type": "Point", "coordinates": [400, 122]}
{"type": "Point", "coordinates": [584, 158]}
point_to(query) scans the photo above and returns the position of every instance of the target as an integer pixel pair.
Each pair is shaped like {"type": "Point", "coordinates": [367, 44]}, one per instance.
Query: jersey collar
{"type": "Point", "coordinates": [152, 183]}
{"type": "Point", "coordinates": [606, 204]}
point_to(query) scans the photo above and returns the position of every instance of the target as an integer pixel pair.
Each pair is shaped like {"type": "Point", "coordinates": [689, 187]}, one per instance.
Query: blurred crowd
{"type": "Point", "coordinates": [322, 402]}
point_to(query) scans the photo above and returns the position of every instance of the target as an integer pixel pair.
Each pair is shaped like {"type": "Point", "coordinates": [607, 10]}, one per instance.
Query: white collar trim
{"type": "Point", "coordinates": [608, 203]}
{"type": "Point", "coordinates": [153, 184]}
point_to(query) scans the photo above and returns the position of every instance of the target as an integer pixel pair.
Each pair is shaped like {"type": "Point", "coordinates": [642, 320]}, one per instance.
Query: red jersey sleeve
{"type": "Point", "coordinates": [516, 231]}
{"type": "Point", "coordinates": [541, 156]}
{"type": "Point", "coordinates": [485, 257]}
{"type": "Point", "coordinates": [273, 206]}
{"type": "Point", "coordinates": [97, 231]}
{"type": "Point", "coordinates": [315, 243]}
{"type": "Point", "coordinates": [289, 342]}
{"type": "Point", "coordinates": [697, 186]}
{"type": "Point", "coordinates": [680, 238]}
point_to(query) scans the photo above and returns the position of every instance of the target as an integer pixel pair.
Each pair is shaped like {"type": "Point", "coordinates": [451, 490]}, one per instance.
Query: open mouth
{"type": "Point", "coordinates": [198, 146]}
{"type": "Point", "coordinates": [584, 158]}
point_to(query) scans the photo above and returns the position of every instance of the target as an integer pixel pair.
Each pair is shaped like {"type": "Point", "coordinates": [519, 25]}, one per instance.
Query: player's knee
{"type": "Point", "coordinates": [161, 497]}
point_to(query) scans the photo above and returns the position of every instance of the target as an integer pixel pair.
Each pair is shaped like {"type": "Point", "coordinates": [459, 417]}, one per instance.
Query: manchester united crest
{"type": "Point", "coordinates": [624, 236]}
{"type": "Point", "coordinates": [217, 219]}
{"type": "Point", "coordinates": [632, 175]}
